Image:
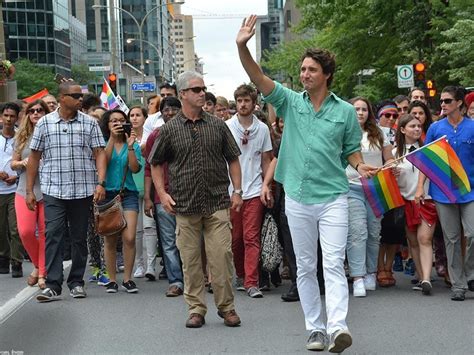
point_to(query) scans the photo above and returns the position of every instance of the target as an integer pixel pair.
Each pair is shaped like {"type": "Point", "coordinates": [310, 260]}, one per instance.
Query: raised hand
{"type": "Point", "coordinates": [247, 30]}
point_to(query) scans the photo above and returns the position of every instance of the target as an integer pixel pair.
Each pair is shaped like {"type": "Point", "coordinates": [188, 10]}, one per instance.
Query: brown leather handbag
{"type": "Point", "coordinates": [109, 218]}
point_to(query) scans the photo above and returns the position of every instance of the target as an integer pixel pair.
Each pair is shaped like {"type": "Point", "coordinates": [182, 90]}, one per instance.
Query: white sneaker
{"type": "Point", "coordinates": [139, 272]}
{"type": "Point", "coordinates": [359, 288]}
{"type": "Point", "coordinates": [370, 282]}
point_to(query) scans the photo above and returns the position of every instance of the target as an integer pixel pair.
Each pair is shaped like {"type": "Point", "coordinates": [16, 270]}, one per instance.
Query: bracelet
{"type": "Point", "coordinates": [357, 166]}
{"type": "Point", "coordinates": [131, 149]}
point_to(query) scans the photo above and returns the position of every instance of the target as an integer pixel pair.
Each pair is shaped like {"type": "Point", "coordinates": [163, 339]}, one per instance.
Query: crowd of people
{"type": "Point", "coordinates": [196, 174]}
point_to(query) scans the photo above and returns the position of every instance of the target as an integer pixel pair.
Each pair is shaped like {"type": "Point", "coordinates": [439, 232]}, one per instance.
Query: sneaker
{"type": "Point", "coordinates": [111, 287]}
{"type": "Point", "coordinates": [340, 341]}
{"type": "Point", "coordinates": [95, 273]}
{"type": "Point", "coordinates": [120, 266]}
{"type": "Point", "coordinates": [103, 279]}
{"type": "Point", "coordinates": [458, 296]}
{"type": "Point", "coordinates": [17, 269]}
{"type": "Point", "coordinates": [151, 275]}
{"type": "Point", "coordinates": [139, 272]}
{"type": "Point", "coordinates": [398, 263]}
{"type": "Point", "coordinates": [316, 341]}
{"type": "Point", "coordinates": [48, 295]}
{"type": "Point", "coordinates": [410, 267]}
{"type": "Point", "coordinates": [470, 285]}
{"type": "Point", "coordinates": [426, 288]}
{"type": "Point", "coordinates": [254, 292]}
{"type": "Point", "coordinates": [265, 286]}
{"type": "Point", "coordinates": [78, 292]}
{"type": "Point", "coordinates": [417, 286]}
{"type": "Point", "coordinates": [130, 286]}
{"type": "Point", "coordinates": [359, 288]}
{"type": "Point", "coordinates": [239, 284]}
{"type": "Point", "coordinates": [370, 282]}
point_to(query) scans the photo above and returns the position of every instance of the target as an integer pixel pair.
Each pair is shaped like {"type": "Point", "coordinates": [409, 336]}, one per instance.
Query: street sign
{"type": "Point", "coordinates": [100, 68]}
{"type": "Point", "coordinates": [405, 76]}
{"type": "Point", "coordinates": [143, 87]}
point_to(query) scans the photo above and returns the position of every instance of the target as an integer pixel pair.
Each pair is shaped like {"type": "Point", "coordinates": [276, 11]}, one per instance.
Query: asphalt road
{"type": "Point", "coordinates": [388, 321]}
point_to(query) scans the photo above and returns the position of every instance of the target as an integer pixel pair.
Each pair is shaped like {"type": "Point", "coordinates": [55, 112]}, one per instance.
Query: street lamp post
{"type": "Point", "coordinates": [140, 30]}
{"type": "Point", "coordinates": [160, 58]}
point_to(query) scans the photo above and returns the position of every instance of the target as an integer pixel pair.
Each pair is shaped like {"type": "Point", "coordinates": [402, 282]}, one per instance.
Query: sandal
{"type": "Point", "coordinates": [32, 280]}
{"type": "Point", "coordinates": [383, 278]}
{"type": "Point", "coordinates": [42, 282]}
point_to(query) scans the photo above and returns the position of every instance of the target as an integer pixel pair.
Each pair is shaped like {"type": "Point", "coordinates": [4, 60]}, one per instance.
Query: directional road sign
{"type": "Point", "coordinates": [143, 87]}
{"type": "Point", "coordinates": [405, 76]}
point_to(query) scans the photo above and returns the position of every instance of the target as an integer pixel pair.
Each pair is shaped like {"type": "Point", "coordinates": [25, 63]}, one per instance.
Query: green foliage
{"type": "Point", "coordinates": [380, 34]}
{"type": "Point", "coordinates": [82, 75]}
{"type": "Point", "coordinates": [31, 78]}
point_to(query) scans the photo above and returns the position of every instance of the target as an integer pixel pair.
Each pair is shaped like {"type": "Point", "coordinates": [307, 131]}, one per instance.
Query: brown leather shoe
{"type": "Point", "coordinates": [195, 320]}
{"type": "Point", "coordinates": [231, 319]}
{"type": "Point", "coordinates": [174, 291]}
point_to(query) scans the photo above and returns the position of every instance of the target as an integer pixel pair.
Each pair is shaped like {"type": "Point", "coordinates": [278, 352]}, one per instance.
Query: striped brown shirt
{"type": "Point", "coordinates": [197, 154]}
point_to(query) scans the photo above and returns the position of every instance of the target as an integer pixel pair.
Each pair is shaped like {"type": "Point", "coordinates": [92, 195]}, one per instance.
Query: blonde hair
{"type": "Point", "coordinates": [26, 129]}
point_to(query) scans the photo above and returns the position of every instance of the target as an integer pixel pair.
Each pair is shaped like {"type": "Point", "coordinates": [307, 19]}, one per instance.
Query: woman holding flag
{"type": "Point", "coordinates": [451, 177]}
{"type": "Point", "coordinates": [420, 218]}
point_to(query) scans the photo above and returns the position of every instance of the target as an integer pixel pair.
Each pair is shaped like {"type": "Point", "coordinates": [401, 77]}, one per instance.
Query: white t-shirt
{"type": "Point", "coordinates": [258, 142]}
{"type": "Point", "coordinates": [408, 178]}
{"type": "Point", "coordinates": [6, 153]}
{"type": "Point", "coordinates": [153, 121]}
{"type": "Point", "coordinates": [372, 155]}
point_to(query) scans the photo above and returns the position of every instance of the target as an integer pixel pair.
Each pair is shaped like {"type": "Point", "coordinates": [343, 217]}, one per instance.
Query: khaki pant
{"type": "Point", "coordinates": [216, 229]}
{"type": "Point", "coordinates": [11, 248]}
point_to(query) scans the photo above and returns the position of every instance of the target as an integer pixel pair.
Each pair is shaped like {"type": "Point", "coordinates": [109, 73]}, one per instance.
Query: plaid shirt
{"type": "Point", "coordinates": [68, 170]}
{"type": "Point", "coordinates": [197, 154]}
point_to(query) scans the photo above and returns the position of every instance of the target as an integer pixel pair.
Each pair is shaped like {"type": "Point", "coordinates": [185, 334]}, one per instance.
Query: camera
{"type": "Point", "coordinates": [127, 128]}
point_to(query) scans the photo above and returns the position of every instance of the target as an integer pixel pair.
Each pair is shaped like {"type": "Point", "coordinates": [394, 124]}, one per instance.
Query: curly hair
{"type": "Point", "coordinates": [104, 123]}
{"type": "Point", "coordinates": [374, 133]}
{"type": "Point", "coordinates": [27, 127]}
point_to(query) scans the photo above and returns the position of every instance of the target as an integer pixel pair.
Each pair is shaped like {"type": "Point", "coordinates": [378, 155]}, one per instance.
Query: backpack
{"type": "Point", "coordinates": [271, 251]}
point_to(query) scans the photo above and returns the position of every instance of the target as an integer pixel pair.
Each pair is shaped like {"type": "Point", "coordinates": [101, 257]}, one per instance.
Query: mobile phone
{"type": "Point", "coordinates": [127, 128]}
{"type": "Point", "coordinates": [58, 78]}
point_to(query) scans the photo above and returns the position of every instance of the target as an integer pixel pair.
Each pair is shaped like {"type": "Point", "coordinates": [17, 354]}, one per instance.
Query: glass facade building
{"type": "Point", "coordinates": [39, 30]}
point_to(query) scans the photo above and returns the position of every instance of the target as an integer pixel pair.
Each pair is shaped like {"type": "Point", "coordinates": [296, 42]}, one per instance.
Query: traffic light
{"type": "Point", "coordinates": [431, 88]}
{"type": "Point", "coordinates": [113, 82]}
{"type": "Point", "coordinates": [420, 75]}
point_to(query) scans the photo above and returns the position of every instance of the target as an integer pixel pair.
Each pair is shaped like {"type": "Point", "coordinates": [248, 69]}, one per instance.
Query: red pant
{"type": "Point", "coordinates": [28, 222]}
{"type": "Point", "coordinates": [246, 226]}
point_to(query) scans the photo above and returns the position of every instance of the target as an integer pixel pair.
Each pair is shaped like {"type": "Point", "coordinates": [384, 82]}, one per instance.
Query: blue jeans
{"type": "Point", "coordinates": [167, 227]}
{"type": "Point", "coordinates": [364, 234]}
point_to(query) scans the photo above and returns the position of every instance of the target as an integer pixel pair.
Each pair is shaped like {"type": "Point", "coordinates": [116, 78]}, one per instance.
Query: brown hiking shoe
{"type": "Point", "coordinates": [231, 319]}
{"type": "Point", "coordinates": [195, 320]}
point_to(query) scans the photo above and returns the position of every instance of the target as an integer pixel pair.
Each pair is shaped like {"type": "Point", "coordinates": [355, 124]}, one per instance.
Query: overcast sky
{"type": "Point", "coordinates": [215, 41]}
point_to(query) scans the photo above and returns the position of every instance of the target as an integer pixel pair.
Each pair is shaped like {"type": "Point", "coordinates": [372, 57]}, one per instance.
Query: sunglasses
{"type": "Point", "coordinates": [75, 96]}
{"type": "Point", "coordinates": [245, 138]}
{"type": "Point", "coordinates": [390, 115]}
{"type": "Point", "coordinates": [445, 101]}
{"type": "Point", "coordinates": [34, 110]}
{"type": "Point", "coordinates": [402, 109]}
{"type": "Point", "coordinates": [197, 89]}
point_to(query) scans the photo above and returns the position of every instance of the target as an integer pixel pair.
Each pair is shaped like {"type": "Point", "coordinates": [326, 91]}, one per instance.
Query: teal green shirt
{"type": "Point", "coordinates": [315, 145]}
{"type": "Point", "coordinates": [139, 178]}
{"type": "Point", "coordinates": [116, 168]}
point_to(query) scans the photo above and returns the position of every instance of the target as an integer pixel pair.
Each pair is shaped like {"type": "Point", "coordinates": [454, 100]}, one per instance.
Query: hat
{"type": "Point", "coordinates": [469, 98]}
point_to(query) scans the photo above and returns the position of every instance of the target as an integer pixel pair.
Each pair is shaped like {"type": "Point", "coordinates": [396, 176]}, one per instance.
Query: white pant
{"type": "Point", "coordinates": [146, 230]}
{"type": "Point", "coordinates": [307, 223]}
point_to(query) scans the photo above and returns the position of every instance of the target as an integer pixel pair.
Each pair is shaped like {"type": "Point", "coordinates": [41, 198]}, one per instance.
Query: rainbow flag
{"type": "Point", "coordinates": [109, 101]}
{"type": "Point", "coordinates": [382, 192]}
{"type": "Point", "coordinates": [440, 163]}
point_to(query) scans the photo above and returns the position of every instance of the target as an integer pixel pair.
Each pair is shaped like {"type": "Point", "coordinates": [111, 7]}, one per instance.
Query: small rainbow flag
{"type": "Point", "coordinates": [109, 101]}
{"type": "Point", "coordinates": [440, 163]}
{"type": "Point", "coordinates": [382, 192]}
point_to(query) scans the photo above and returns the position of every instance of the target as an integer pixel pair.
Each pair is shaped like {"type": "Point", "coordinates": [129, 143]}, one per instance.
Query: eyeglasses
{"type": "Point", "coordinates": [445, 101]}
{"type": "Point", "coordinates": [245, 138]}
{"type": "Point", "coordinates": [34, 110]}
{"type": "Point", "coordinates": [393, 116]}
{"type": "Point", "coordinates": [402, 109]}
{"type": "Point", "coordinates": [171, 110]}
{"type": "Point", "coordinates": [75, 96]}
{"type": "Point", "coordinates": [197, 89]}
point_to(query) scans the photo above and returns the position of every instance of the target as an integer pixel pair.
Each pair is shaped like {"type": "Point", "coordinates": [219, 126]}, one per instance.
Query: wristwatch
{"type": "Point", "coordinates": [238, 192]}
{"type": "Point", "coordinates": [101, 183]}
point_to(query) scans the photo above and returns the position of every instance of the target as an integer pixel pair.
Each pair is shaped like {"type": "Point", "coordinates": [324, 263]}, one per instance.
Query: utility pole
{"type": "Point", "coordinates": [114, 67]}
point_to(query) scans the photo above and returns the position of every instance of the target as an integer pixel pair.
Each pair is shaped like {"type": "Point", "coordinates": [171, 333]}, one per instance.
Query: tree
{"type": "Point", "coordinates": [31, 78]}
{"type": "Point", "coordinates": [81, 74]}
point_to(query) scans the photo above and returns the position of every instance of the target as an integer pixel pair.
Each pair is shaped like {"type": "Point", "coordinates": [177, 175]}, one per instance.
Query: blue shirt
{"type": "Point", "coordinates": [315, 145]}
{"type": "Point", "coordinates": [116, 168]}
{"type": "Point", "coordinates": [461, 139]}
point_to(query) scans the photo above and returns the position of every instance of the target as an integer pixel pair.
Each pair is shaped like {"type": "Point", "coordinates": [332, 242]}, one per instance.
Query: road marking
{"type": "Point", "coordinates": [22, 297]}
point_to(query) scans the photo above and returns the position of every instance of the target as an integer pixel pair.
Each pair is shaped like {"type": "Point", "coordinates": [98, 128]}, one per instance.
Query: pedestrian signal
{"type": "Point", "coordinates": [431, 88]}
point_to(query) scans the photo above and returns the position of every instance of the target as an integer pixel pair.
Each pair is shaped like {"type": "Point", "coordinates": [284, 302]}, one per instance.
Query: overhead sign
{"type": "Point", "coordinates": [143, 87]}
{"type": "Point", "coordinates": [100, 68]}
{"type": "Point", "coordinates": [405, 76]}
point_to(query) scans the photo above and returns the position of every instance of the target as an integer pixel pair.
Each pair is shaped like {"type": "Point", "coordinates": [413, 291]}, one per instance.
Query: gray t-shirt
{"type": "Point", "coordinates": [21, 189]}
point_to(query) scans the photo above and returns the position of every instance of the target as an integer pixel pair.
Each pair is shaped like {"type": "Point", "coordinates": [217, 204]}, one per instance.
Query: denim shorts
{"type": "Point", "coordinates": [129, 199]}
